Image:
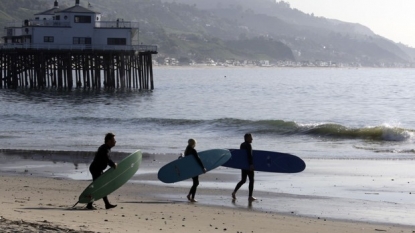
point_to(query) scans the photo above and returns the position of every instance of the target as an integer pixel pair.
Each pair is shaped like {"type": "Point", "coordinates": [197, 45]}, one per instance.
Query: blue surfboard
{"type": "Point", "coordinates": [187, 167]}
{"type": "Point", "coordinates": [266, 161]}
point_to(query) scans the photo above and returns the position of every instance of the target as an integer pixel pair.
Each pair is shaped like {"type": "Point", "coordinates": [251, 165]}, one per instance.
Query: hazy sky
{"type": "Point", "coordinates": [393, 19]}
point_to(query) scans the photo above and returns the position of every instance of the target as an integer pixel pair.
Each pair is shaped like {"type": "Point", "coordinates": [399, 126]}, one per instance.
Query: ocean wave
{"type": "Point", "coordinates": [49, 153]}
{"type": "Point", "coordinates": [386, 150]}
{"type": "Point", "coordinates": [233, 125]}
{"type": "Point", "coordinates": [281, 127]}
{"type": "Point", "coordinates": [60, 155]}
{"type": "Point", "coordinates": [326, 130]}
{"type": "Point", "coordinates": [376, 133]}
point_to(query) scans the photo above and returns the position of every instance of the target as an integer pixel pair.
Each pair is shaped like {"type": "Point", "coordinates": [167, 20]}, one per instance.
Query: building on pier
{"type": "Point", "coordinates": [73, 47]}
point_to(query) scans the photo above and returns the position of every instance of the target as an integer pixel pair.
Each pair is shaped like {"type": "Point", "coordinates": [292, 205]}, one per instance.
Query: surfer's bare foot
{"type": "Point", "coordinates": [188, 198]}
{"type": "Point", "coordinates": [109, 206]}
{"type": "Point", "coordinates": [193, 200]}
{"type": "Point", "coordinates": [90, 207]}
{"type": "Point", "coordinates": [234, 196]}
{"type": "Point", "coordinates": [251, 198]}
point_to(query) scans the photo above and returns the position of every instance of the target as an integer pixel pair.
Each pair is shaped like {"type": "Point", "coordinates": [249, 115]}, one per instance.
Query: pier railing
{"type": "Point", "coordinates": [138, 48]}
{"type": "Point", "coordinates": [60, 23]}
{"type": "Point", "coordinates": [116, 24]}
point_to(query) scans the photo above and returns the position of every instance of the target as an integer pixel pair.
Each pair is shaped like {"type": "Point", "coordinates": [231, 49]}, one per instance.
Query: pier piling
{"type": "Point", "coordinates": [62, 69]}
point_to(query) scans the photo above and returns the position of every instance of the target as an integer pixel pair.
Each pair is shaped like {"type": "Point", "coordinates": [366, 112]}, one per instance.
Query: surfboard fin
{"type": "Point", "coordinates": [75, 204]}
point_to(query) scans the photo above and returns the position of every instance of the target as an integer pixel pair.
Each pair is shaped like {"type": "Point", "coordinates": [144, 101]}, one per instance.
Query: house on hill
{"type": "Point", "coordinates": [68, 41]}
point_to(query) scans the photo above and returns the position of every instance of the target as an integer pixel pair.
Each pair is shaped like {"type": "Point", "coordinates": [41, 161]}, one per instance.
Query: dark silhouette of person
{"type": "Point", "coordinates": [102, 159]}
{"type": "Point", "coordinates": [190, 150]}
{"type": "Point", "coordinates": [246, 145]}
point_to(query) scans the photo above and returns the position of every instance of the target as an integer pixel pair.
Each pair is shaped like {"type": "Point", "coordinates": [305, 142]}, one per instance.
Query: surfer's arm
{"type": "Point", "coordinates": [110, 162]}
{"type": "Point", "coordinates": [250, 160]}
{"type": "Point", "coordinates": [199, 161]}
{"type": "Point", "coordinates": [250, 157]}
{"type": "Point", "coordinates": [248, 149]}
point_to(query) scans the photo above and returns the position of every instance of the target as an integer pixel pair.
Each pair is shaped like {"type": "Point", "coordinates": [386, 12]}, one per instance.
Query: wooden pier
{"type": "Point", "coordinates": [86, 66]}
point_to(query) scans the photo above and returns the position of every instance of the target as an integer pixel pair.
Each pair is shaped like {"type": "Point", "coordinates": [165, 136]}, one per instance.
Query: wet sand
{"type": "Point", "coordinates": [329, 196]}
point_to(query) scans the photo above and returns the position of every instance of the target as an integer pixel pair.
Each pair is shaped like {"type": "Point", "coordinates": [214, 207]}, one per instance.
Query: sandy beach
{"type": "Point", "coordinates": [35, 204]}
{"type": "Point", "coordinates": [37, 195]}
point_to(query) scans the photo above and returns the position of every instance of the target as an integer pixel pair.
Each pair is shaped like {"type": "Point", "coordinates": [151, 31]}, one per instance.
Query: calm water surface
{"type": "Point", "coordinates": [313, 113]}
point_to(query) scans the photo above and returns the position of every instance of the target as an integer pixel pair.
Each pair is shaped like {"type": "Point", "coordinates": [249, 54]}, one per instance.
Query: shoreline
{"type": "Point", "coordinates": [30, 207]}
{"type": "Point", "coordinates": [42, 192]}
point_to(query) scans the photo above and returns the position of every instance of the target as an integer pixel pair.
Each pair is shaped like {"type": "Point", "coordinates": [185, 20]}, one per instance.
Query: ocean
{"type": "Point", "coordinates": [309, 112]}
{"type": "Point", "coordinates": [354, 128]}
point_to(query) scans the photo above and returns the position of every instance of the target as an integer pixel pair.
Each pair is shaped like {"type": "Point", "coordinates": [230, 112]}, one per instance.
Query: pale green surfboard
{"type": "Point", "coordinates": [112, 179]}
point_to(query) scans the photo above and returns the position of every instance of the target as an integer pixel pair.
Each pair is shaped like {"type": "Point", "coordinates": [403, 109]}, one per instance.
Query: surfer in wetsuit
{"type": "Point", "coordinates": [190, 150]}
{"type": "Point", "coordinates": [102, 159]}
{"type": "Point", "coordinates": [246, 145]}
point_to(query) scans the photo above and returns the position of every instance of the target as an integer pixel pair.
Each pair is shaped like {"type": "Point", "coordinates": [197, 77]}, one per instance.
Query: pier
{"type": "Point", "coordinates": [74, 48]}
{"type": "Point", "coordinates": [76, 66]}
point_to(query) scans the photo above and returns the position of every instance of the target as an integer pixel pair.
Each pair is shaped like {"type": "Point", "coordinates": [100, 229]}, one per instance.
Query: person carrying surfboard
{"type": "Point", "coordinates": [246, 145]}
{"type": "Point", "coordinates": [101, 160]}
{"type": "Point", "coordinates": [190, 150]}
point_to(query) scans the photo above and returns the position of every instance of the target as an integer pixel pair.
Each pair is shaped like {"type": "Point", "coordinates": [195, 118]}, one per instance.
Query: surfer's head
{"type": "Point", "coordinates": [110, 139]}
{"type": "Point", "coordinates": [248, 137]}
{"type": "Point", "coordinates": [191, 142]}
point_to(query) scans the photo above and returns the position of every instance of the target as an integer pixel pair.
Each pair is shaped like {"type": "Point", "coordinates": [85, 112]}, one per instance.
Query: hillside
{"type": "Point", "coordinates": [19, 9]}
{"type": "Point", "coordinates": [313, 37]}
{"type": "Point", "coordinates": [237, 30]}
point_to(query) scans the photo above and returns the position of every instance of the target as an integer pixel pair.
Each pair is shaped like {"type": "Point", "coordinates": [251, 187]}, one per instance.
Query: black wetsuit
{"type": "Point", "coordinates": [102, 159]}
{"type": "Point", "coordinates": [244, 173]}
{"type": "Point", "coordinates": [191, 151]}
